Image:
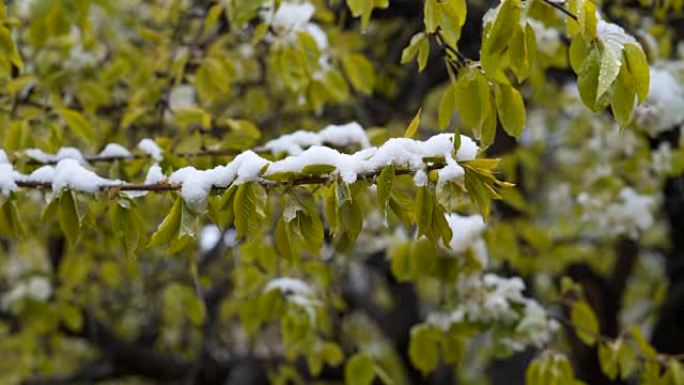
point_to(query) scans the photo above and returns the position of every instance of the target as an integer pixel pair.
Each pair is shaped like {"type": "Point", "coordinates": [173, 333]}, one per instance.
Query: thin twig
{"type": "Point", "coordinates": [562, 9]}
{"type": "Point", "coordinates": [165, 186]}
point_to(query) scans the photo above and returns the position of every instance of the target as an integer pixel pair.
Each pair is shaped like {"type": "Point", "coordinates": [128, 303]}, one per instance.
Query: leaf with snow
{"type": "Point", "coordinates": [612, 40]}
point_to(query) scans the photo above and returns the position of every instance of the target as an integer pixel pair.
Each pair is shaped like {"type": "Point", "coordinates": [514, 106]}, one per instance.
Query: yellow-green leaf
{"type": "Point", "coordinates": [511, 109]}
{"type": "Point", "coordinates": [585, 322]}
{"type": "Point", "coordinates": [413, 126]}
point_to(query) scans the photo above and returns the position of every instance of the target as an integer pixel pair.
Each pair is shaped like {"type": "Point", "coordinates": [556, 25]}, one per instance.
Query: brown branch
{"type": "Point", "coordinates": [561, 8]}
{"type": "Point", "coordinates": [165, 186]}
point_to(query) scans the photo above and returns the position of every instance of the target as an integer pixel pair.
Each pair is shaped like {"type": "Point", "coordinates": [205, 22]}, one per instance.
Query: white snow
{"type": "Point", "coordinates": [349, 166]}
{"type": "Point", "coordinates": [664, 106]}
{"type": "Point", "coordinates": [421, 178]}
{"type": "Point", "coordinates": [114, 150]}
{"type": "Point", "coordinates": [335, 135]}
{"type": "Point", "coordinates": [181, 96]}
{"type": "Point", "coordinates": [70, 174]}
{"type": "Point", "coordinates": [150, 147]}
{"type": "Point", "coordinates": [318, 35]}
{"type": "Point", "coordinates": [154, 174]}
{"type": "Point", "coordinates": [467, 230]}
{"type": "Point", "coordinates": [198, 183]}
{"type": "Point", "coordinates": [208, 237]}
{"type": "Point", "coordinates": [289, 286]}
{"type": "Point", "coordinates": [291, 17]}
{"type": "Point", "coordinates": [3, 156]}
{"type": "Point", "coordinates": [628, 214]}
{"type": "Point", "coordinates": [36, 287]}
{"type": "Point", "coordinates": [7, 179]}
{"type": "Point", "coordinates": [402, 152]}
{"type": "Point", "coordinates": [63, 153]}
{"type": "Point", "coordinates": [43, 174]}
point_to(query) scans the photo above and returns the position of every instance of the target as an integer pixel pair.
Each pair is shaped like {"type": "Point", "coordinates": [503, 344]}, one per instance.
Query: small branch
{"type": "Point", "coordinates": [561, 8]}
{"type": "Point", "coordinates": [163, 186]}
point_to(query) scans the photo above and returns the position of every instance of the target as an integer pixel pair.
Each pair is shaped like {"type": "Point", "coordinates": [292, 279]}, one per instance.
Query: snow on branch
{"type": "Point", "coordinates": [409, 156]}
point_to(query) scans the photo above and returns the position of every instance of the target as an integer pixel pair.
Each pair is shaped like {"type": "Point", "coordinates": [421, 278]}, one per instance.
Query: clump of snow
{"type": "Point", "coordinates": [349, 166]}
{"type": "Point", "coordinates": [154, 175]}
{"type": "Point", "coordinates": [150, 147]}
{"type": "Point", "coordinates": [662, 158]}
{"type": "Point", "coordinates": [467, 230]}
{"type": "Point", "coordinates": [181, 96]}
{"type": "Point", "coordinates": [664, 106]}
{"type": "Point", "coordinates": [498, 302]}
{"type": "Point", "coordinates": [614, 36]}
{"type": "Point", "coordinates": [43, 174]}
{"type": "Point", "coordinates": [288, 285]}
{"type": "Point", "coordinates": [36, 287]}
{"type": "Point", "coordinates": [7, 179]}
{"type": "Point", "coordinates": [421, 178]}
{"type": "Point", "coordinates": [402, 152]}
{"type": "Point", "coordinates": [63, 153]}
{"type": "Point", "coordinates": [291, 16]}
{"type": "Point", "coordinates": [196, 184]}
{"type": "Point", "coordinates": [209, 236]}
{"type": "Point", "coordinates": [114, 150]}
{"type": "Point", "coordinates": [318, 35]}
{"type": "Point", "coordinates": [70, 174]}
{"type": "Point", "coordinates": [335, 135]}
{"type": "Point", "coordinates": [629, 214]}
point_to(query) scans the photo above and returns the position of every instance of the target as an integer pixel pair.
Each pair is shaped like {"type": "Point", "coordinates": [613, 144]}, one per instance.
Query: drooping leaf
{"type": "Point", "coordinates": [510, 108]}
{"type": "Point", "coordinates": [585, 322]}
{"type": "Point", "coordinates": [69, 220]}
{"type": "Point", "coordinates": [413, 126]}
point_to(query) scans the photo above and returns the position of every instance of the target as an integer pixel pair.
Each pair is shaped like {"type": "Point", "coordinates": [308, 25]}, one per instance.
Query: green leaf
{"type": "Point", "coordinates": [359, 370]}
{"type": "Point", "coordinates": [332, 207]}
{"type": "Point", "coordinates": [351, 219]}
{"type": "Point", "coordinates": [283, 240]}
{"type": "Point", "coordinates": [519, 54]}
{"type": "Point", "coordinates": [424, 206]}
{"type": "Point", "coordinates": [424, 348]}
{"type": "Point", "coordinates": [497, 35]}
{"type": "Point", "coordinates": [69, 220]}
{"type": "Point", "coordinates": [610, 64]}
{"type": "Point", "coordinates": [446, 15]}
{"type": "Point", "coordinates": [332, 354]}
{"type": "Point", "coordinates": [400, 262]}
{"type": "Point", "coordinates": [360, 72]}
{"type": "Point", "coordinates": [419, 46]}
{"type": "Point", "coordinates": [413, 126]}
{"type": "Point", "coordinates": [364, 8]}
{"type": "Point", "coordinates": [473, 99]}
{"type": "Point", "coordinates": [627, 360]}
{"type": "Point", "coordinates": [511, 109]}
{"type": "Point", "coordinates": [608, 358]}
{"type": "Point", "coordinates": [624, 95]}
{"type": "Point", "coordinates": [584, 321]}
{"type": "Point", "coordinates": [579, 50]}
{"type": "Point", "coordinates": [587, 81]}
{"type": "Point", "coordinates": [248, 209]}
{"type": "Point", "coordinates": [384, 189]}
{"type": "Point", "coordinates": [646, 349]}
{"type": "Point", "coordinates": [638, 68]}
{"type": "Point", "coordinates": [10, 222]}
{"type": "Point", "coordinates": [169, 229]}
{"type": "Point", "coordinates": [675, 372]}
{"type": "Point", "coordinates": [78, 124]}
{"type": "Point", "coordinates": [453, 347]}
